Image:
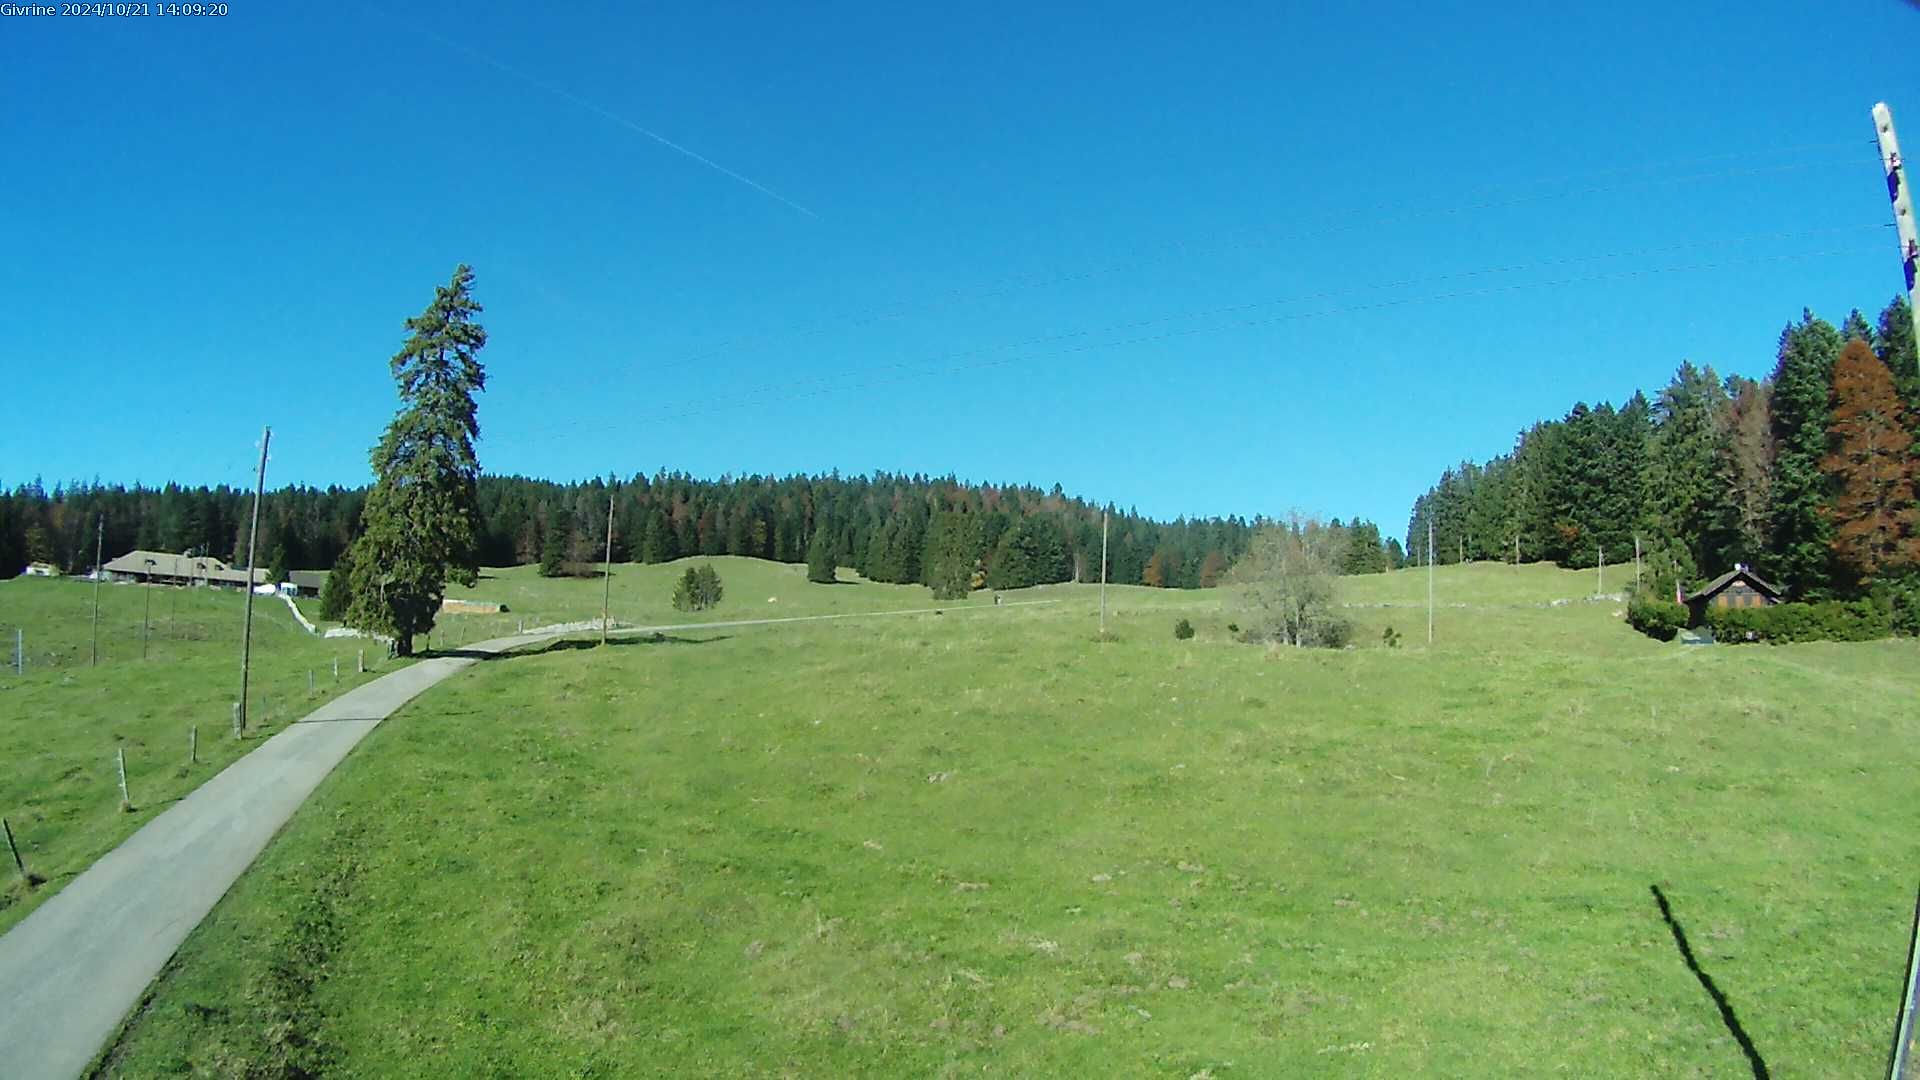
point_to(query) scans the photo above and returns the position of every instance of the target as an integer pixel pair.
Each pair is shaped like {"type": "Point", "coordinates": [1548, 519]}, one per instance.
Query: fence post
{"type": "Point", "coordinates": [236, 719]}
{"type": "Point", "coordinates": [336, 669]}
{"type": "Point", "coordinates": [126, 800]}
{"type": "Point", "coordinates": [309, 682]}
{"type": "Point", "coordinates": [193, 745]}
{"type": "Point", "coordinates": [362, 662]}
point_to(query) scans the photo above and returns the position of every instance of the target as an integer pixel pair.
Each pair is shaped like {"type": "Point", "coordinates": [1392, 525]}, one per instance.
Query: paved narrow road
{"type": "Point", "coordinates": [72, 970]}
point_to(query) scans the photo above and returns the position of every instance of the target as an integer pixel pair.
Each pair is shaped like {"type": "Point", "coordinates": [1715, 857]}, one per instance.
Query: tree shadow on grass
{"type": "Point", "coordinates": [1727, 1017]}
{"type": "Point", "coordinates": [576, 643]}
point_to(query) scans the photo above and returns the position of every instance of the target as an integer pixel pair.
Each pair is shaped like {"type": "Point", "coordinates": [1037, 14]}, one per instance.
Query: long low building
{"type": "Point", "coordinates": [166, 568]}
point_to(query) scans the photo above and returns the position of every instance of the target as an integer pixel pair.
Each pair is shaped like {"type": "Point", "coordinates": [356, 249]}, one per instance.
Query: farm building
{"type": "Point", "coordinates": [1739, 587]}
{"type": "Point", "coordinates": [165, 568]}
{"type": "Point", "coordinates": [305, 582]}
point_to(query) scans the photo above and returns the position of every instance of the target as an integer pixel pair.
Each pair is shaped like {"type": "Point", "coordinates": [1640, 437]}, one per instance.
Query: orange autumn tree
{"type": "Point", "coordinates": [1870, 466]}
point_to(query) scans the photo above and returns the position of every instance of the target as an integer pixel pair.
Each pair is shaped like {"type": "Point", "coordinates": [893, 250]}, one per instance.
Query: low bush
{"type": "Point", "coordinates": [1830, 620]}
{"type": "Point", "coordinates": [1182, 630]}
{"type": "Point", "coordinates": [1658, 619]}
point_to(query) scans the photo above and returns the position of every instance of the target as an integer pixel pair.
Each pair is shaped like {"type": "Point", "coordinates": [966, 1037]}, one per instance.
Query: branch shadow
{"type": "Point", "coordinates": [1727, 1017]}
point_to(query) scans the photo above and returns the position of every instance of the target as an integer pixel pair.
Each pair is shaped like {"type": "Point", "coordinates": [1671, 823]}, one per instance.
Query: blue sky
{"type": "Point", "coordinates": [1275, 256]}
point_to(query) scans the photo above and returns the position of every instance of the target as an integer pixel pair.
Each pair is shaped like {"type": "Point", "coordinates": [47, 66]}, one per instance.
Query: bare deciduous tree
{"type": "Point", "coordinates": [1282, 588]}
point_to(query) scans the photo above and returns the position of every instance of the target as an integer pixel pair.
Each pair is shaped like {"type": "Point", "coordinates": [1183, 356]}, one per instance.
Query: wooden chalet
{"type": "Point", "coordinates": [1739, 587]}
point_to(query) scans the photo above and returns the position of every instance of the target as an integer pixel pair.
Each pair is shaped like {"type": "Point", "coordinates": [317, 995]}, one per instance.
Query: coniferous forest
{"type": "Point", "coordinates": [881, 525]}
{"type": "Point", "coordinates": [1807, 475]}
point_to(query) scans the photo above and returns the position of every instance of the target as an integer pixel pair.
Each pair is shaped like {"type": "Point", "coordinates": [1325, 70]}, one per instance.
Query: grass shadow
{"type": "Point", "coordinates": [1727, 1016]}
{"type": "Point", "coordinates": [571, 644]}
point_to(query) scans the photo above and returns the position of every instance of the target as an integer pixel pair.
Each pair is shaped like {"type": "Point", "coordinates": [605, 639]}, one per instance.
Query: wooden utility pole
{"type": "Point", "coordinates": [246, 634]}
{"type": "Point", "coordinates": [1901, 195]}
{"type": "Point", "coordinates": [1636, 560]}
{"type": "Point", "coordinates": [1429, 581]}
{"type": "Point", "coordinates": [606, 577]}
{"type": "Point", "coordinates": [1103, 574]}
{"type": "Point", "coordinates": [99, 540]}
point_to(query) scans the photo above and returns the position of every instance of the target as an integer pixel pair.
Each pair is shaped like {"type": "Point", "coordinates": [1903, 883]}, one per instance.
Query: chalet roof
{"type": "Point", "coordinates": [309, 579]}
{"type": "Point", "coordinates": [167, 564]}
{"type": "Point", "coordinates": [1740, 572]}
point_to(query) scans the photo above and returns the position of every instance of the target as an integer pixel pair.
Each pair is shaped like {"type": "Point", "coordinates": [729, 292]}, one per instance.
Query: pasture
{"type": "Point", "coordinates": [983, 841]}
{"type": "Point", "coordinates": [63, 718]}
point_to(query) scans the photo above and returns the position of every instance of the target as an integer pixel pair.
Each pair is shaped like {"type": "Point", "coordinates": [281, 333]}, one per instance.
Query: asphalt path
{"type": "Point", "coordinates": [72, 971]}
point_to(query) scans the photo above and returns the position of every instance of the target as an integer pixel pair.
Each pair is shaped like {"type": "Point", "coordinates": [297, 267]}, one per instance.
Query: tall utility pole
{"type": "Point", "coordinates": [246, 635]}
{"type": "Point", "coordinates": [1429, 581]}
{"type": "Point", "coordinates": [1103, 575]}
{"type": "Point", "coordinates": [606, 577]}
{"type": "Point", "coordinates": [99, 541]}
{"type": "Point", "coordinates": [1901, 196]}
{"type": "Point", "coordinates": [146, 614]}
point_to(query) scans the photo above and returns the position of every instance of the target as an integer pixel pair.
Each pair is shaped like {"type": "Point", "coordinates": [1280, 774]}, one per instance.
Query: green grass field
{"type": "Point", "coordinates": [64, 718]}
{"type": "Point", "coordinates": [983, 841]}
{"type": "Point", "coordinates": [641, 595]}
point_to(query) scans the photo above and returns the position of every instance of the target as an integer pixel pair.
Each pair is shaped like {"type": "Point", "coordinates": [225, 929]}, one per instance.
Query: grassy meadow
{"type": "Point", "coordinates": [63, 719]}
{"type": "Point", "coordinates": [986, 842]}
{"type": "Point", "coordinates": [642, 595]}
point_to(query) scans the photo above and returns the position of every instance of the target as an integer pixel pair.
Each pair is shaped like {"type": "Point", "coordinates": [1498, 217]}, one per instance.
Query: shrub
{"type": "Point", "coordinates": [1829, 620]}
{"type": "Point", "coordinates": [1901, 597]}
{"type": "Point", "coordinates": [1390, 638]}
{"type": "Point", "coordinates": [1658, 619]}
{"type": "Point", "coordinates": [1182, 630]}
{"type": "Point", "coordinates": [697, 589]}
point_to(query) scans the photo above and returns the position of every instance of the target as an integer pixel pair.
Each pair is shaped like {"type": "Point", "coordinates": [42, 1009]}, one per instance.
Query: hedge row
{"type": "Point", "coordinates": [1658, 619]}
{"type": "Point", "coordinates": [1832, 620]}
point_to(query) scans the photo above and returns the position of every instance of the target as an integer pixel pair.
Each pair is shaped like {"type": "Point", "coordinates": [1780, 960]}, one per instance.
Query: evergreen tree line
{"type": "Point", "coordinates": [1806, 475]}
{"type": "Point", "coordinates": [892, 528]}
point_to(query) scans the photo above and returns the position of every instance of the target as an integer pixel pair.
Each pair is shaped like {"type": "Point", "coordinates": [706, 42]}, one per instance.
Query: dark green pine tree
{"type": "Point", "coordinates": [278, 566]}
{"type": "Point", "coordinates": [820, 556]}
{"type": "Point", "coordinates": [659, 544]}
{"type": "Point", "coordinates": [553, 547]}
{"type": "Point", "coordinates": [1855, 325]}
{"type": "Point", "coordinates": [420, 518]}
{"type": "Point", "coordinates": [1685, 488]}
{"type": "Point", "coordinates": [1894, 342]}
{"type": "Point", "coordinates": [1800, 555]}
{"type": "Point", "coordinates": [952, 550]}
{"type": "Point", "coordinates": [336, 596]}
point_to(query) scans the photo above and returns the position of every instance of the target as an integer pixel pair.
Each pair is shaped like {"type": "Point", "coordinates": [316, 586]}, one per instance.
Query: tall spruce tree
{"type": "Point", "coordinates": [952, 550]}
{"type": "Point", "coordinates": [1801, 555]}
{"type": "Point", "coordinates": [421, 518]}
{"type": "Point", "coordinates": [820, 560]}
{"type": "Point", "coordinates": [1688, 440]}
{"type": "Point", "coordinates": [1893, 340]}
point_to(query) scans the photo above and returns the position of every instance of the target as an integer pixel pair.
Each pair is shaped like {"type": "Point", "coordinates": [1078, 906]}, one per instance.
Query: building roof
{"type": "Point", "coordinates": [309, 579]}
{"type": "Point", "coordinates": [1740, 572]}
{"type": "Point", "coordinates": [167, 564]}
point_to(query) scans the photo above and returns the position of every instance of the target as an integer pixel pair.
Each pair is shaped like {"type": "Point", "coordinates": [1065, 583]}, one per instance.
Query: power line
{"type": "Point", "coordinates": [604, 113]}
{"type": "Point", "coordinates": [1224, 243]}
{"type": "Point", "coordinates": [910, 369]}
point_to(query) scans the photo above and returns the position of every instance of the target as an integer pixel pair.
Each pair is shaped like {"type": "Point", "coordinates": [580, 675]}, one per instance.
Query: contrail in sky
{"type": "Point", "coordinates": [613, 116]}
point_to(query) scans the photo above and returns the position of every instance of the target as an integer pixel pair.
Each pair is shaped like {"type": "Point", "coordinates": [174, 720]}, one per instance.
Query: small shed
{"type": "Point", "coordinates": [1739, 587]}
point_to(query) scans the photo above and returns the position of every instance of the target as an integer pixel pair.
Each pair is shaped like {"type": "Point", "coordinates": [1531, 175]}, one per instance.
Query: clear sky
{"type": "Point", "coordinates": [1192, 259]}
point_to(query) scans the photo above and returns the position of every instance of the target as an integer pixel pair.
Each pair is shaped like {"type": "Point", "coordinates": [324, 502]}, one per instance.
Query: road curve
{"type": "Point", "coordinates": [72, 971]}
